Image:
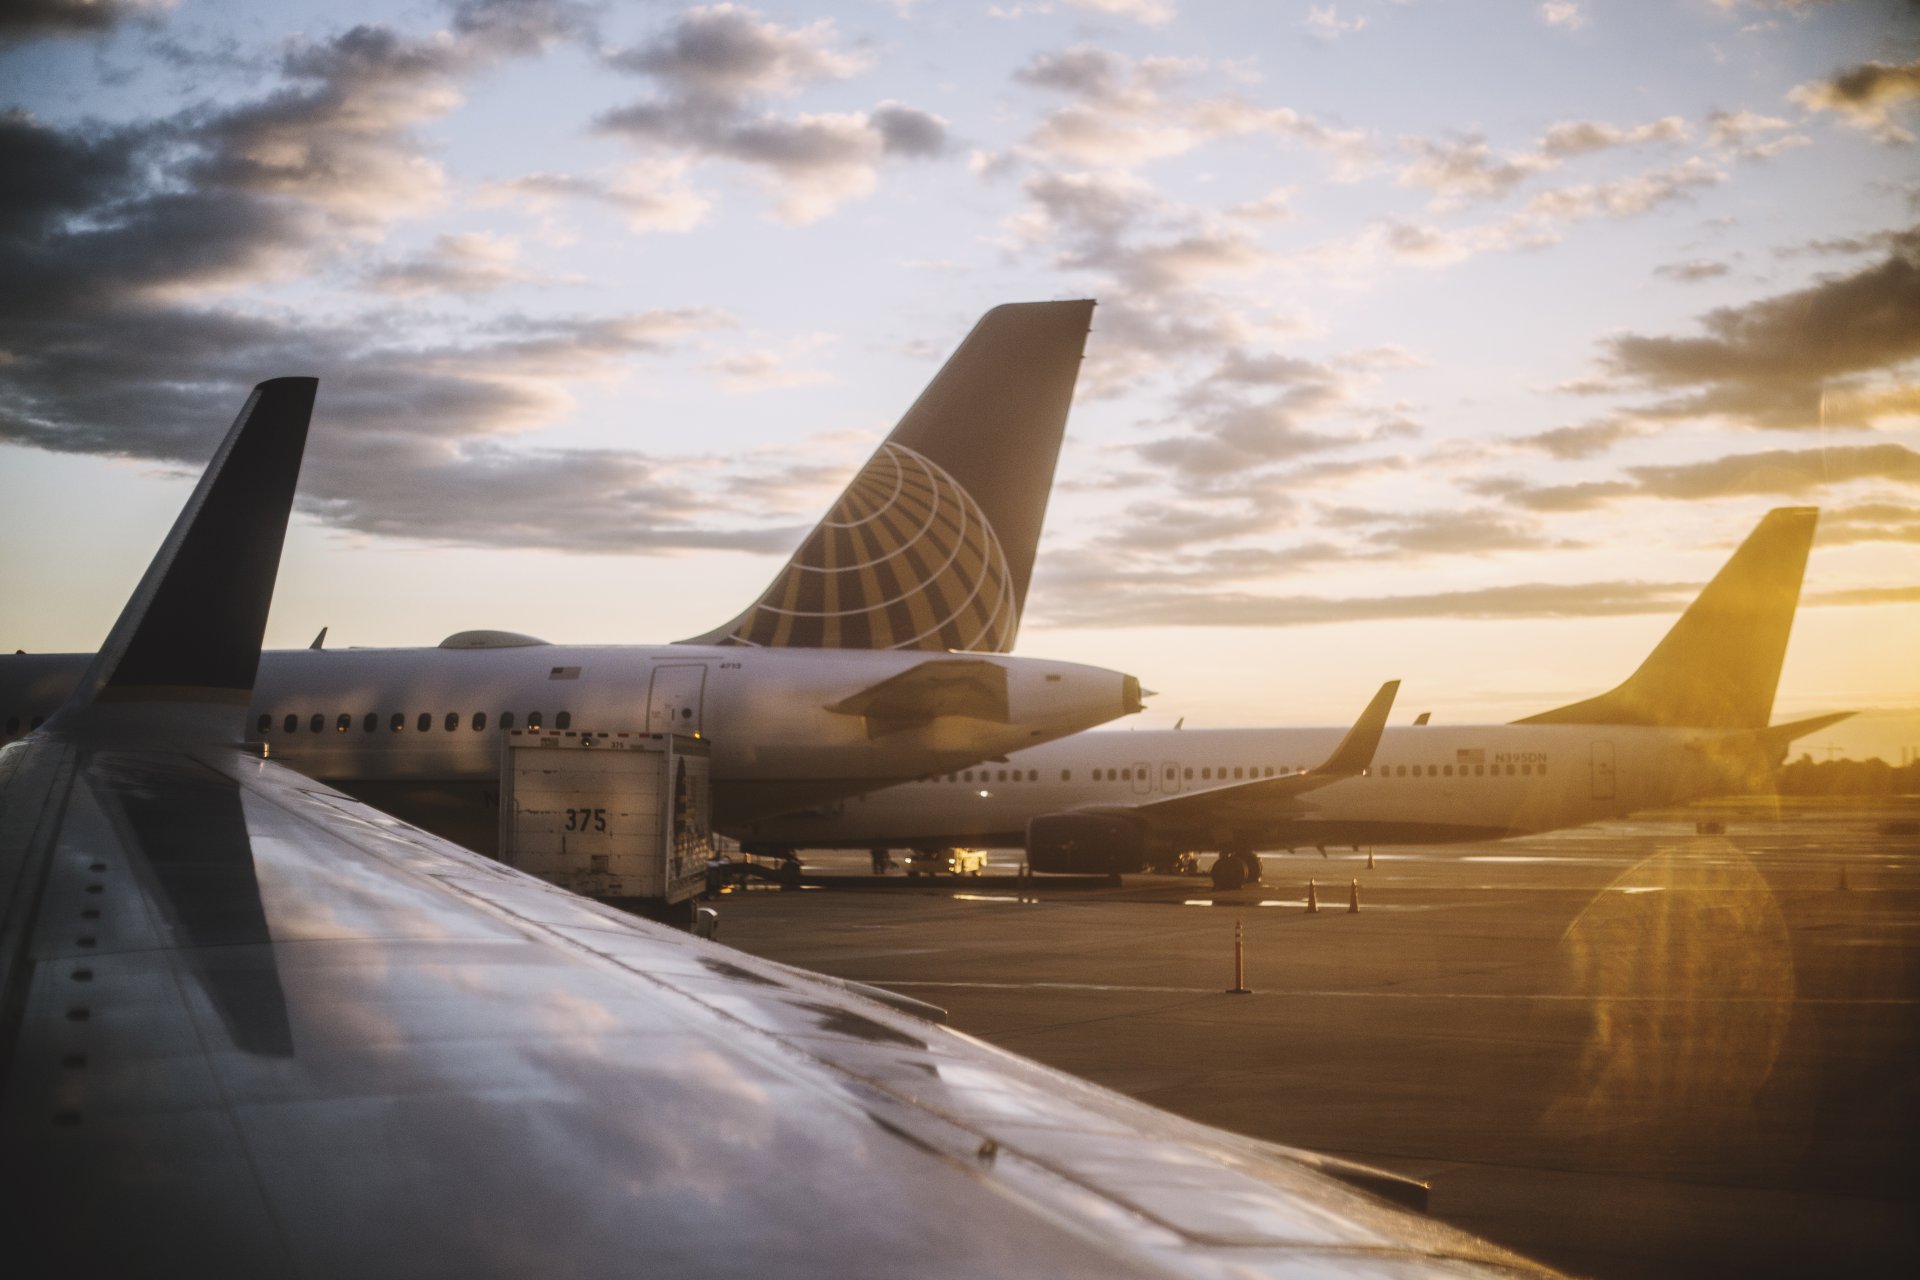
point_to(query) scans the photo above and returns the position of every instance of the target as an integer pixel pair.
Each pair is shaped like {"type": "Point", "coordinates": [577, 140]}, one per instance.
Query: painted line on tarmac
{"type": "Point", "coordinates": [1842, 1001]}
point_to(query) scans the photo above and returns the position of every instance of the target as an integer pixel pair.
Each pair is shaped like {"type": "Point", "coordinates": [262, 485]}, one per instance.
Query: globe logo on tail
{"type": "Point", "coordinates": [905, 560]}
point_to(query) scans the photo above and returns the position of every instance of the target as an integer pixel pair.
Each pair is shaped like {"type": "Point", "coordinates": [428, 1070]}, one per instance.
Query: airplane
{"type": "Point", "coordinates": [250, 1026]}
{"type": "Point", "coordinates": [1692, 721]}
{"type": "Point", "coordinates": [878, 654]}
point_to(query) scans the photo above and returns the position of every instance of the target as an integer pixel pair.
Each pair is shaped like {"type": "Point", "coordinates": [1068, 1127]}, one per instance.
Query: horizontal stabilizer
{"type": "Point", "coordinates": [1776, 738]}
{"type": "Point", "coordinates": [967, 687]}
{"type": "Point", "coordinates": [932, 544]}
{"type": "Point", "coordinates": [191, 630]}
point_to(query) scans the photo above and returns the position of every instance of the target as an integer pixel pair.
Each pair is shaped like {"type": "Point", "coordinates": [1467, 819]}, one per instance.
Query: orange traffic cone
{"type": "Point", "coordinates": [1313, 899]}
{"type": "Point", "coordinates": [1353, 899]}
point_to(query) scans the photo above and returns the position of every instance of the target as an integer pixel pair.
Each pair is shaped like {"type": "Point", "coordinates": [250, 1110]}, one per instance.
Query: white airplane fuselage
{"type": "Point", "coordinates": [387, 721]}
{"type": "Point", "coordinates": [1427, 785]}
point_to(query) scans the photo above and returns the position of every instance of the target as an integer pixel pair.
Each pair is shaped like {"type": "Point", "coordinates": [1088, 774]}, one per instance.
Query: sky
{"type": "Point", "coordinates": [1456, 343]}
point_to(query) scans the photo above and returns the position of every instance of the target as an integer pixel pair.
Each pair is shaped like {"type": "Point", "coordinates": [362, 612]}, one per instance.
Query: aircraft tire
{"type": "Point", "coordinates": [1228, 874]}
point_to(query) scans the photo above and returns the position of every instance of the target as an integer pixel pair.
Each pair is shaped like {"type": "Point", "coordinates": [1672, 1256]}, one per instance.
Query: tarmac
{"type": "Point", "coordinates": [1629, 1049]}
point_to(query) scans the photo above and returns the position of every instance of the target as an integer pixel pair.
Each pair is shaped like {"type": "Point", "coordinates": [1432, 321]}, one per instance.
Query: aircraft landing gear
{"type": "Point", "coordinates": [1235, 868]}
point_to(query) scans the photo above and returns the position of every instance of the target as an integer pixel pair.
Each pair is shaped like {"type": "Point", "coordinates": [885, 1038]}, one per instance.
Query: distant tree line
{"type": "Point", "coordinates": [1875, 777]}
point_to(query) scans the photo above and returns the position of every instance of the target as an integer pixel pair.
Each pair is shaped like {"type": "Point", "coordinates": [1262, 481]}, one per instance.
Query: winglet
{"type": "Point", "coordinates": [931, 546]}
{"type": "Point", "coordinates": [1720, 664]}
{"type": "Point", "coordinates": [191, 631]}
{"type": "Point", "coordinates": [1354, 755]}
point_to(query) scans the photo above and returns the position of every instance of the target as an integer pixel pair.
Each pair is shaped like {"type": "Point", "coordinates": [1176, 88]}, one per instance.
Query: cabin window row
{"type": "Point", "coordinates": [397, 722]}
{"type": "Point", "coordinates": [1478, 770]}
{"type": "Point", "coordinates": [1208, 773]}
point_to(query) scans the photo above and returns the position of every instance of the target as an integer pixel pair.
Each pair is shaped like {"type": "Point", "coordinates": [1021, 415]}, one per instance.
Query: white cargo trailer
{"type": "Point", "coordinates": [609, 815]}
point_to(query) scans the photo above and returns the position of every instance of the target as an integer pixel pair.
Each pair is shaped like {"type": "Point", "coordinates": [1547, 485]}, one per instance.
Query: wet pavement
{"type": "Point", "coordinates": [1628, 1050]}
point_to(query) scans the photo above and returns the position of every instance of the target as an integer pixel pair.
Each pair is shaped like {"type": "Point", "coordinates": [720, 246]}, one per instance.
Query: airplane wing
{"type": "Point", "coordinates": [1263, 797]}
{"type": "Point", "coordinates": [249, 1026]}
{"type": "Point", "coordinates": [938, 687]}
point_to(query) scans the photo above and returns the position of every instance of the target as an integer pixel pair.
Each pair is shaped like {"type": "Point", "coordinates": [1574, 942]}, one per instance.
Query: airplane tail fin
{"type": "Point", "coordinates": [932, 544]}
{"type": "Point", "coordinates": [191, 631]}
{"type": "Point", "coordinates": [1720, 664]}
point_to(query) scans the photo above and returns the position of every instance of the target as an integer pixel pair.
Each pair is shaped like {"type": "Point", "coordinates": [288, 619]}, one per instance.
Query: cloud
{"type": "Point", "coordinates": [124, 249]}
{"type": "Point", "coordinates": [1693, 270]}
{"type": "Point", "coordinates": [770, 369]}
{"type": "Point", "coordinates": [1869, 522]}
{"type": "Point", "coordinates": [1624, 198]}
{"type": "Point", "coordinates": [715, 66]}
{"type": "Point", "coordinates": [23, 20]}
{"type": "Point", "coordinates": [1223, 608]}
{"type": "Point", "coordinates": [1792, 473]}
{"type": "Point", "coordinates": [458, 264]}
{"type": "Point", "coordinates": [1865, 96]}
{"type": "Point", "coordinates": [1152, 13]}
{"type": "Point", "coordinates": [1467, 169]}
{"type": "Point", "coordinates": [1829, 354]}
{"type": "Point", "coordinates": [1563, 13]}
{"type": "Point", "coordinates": [1582, 441]}
{"type": "Point", "coordinates": [652, 197]}
{"type": "Point", "coordinates": [1125, 111]}
{"type": "Point", "coordinates": [1747, 135]}
{"type": "Point", "coordinates": [1323, 22]}
{"type": "Point", "coordinates": [1462, 169]}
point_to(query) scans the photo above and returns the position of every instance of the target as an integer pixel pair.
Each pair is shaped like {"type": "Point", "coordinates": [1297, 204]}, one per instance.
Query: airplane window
{"type": "Point", "coordinates": [370, 723]}
{"type": "Point", "coordinates": [564, 720]}
{"type": "Point", "coordinates": [1066, 775]}
{"type": "Point", "coordinates": [291, 723]}
{"type": "Point", "coordinates": [343, 723]}
{"type": "Point", "coordinates": [1479, 769]}
{"type": "Point", "coordinates": [1187, 773]}
{"type": "Point", "coordinates": [1543, 770]}
{"type": "Point", "coordinates": [317, 724]}
{"type": "Point", "coordinates": [1003, 775]}
{"type": "Point", "coordinates": [479, 721]}
{"type": "Point", "coordinates": [1448, 771]}
{"type": "Point", "coordinates": [1509, 771]}
{"type": "Point", "coordinates": [506, 720]}
{"type": "Point", "coordinates": [533, 719]}
{"type": "Point", "coordinates": [453, 721]}
{"type": "Point", "coordinates": [1033, 775]}
{"type": "Point", "coordinates": [968, 775]}
{"type": "Point", "coordinates": [1126, 775]}
{"type": "Point", "coordinates": [398, 722]}
{"type": "Point", "coordinates": [37, 722]}
{"type": "Point", "coordinates": [425, 722]}
{"type": "Point", "coordinates": [1433, 771]}
{"type": "Point", "coordinates": [1169, 773]}
{"type": "Point", "coordinates": [1206, 774]}
{"type": "Point", "coordinates": [1525, 770]}
{"type": "Point", "coordinates": [1236, 771]}
{"type": "Point", "coordinates": [264, 725]}
{"type": "Point", "coordinates": [953, 777]}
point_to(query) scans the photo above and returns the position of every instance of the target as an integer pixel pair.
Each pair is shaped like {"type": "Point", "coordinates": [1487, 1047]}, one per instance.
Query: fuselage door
{"type": "Point", "coordinates": [1142, 778]}
{"type": "Point", "coordinates": [1170, 776]}
{"type": "Point", "coordinates": [1603, 771]}
{"type": "Point", "coordinates": [674, 699]}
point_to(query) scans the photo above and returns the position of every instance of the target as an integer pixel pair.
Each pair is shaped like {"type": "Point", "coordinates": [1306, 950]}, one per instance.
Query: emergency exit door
{"type": "Point", "coordinates": [674, 700]}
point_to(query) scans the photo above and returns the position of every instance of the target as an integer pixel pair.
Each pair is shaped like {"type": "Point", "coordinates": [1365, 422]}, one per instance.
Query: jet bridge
{"type": "Point", "coordinates": [609, 815]}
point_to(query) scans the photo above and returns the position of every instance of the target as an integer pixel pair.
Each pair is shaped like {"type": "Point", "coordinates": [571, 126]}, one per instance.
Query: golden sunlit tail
{"type": "Point", "coordinates": [1719, 666]}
